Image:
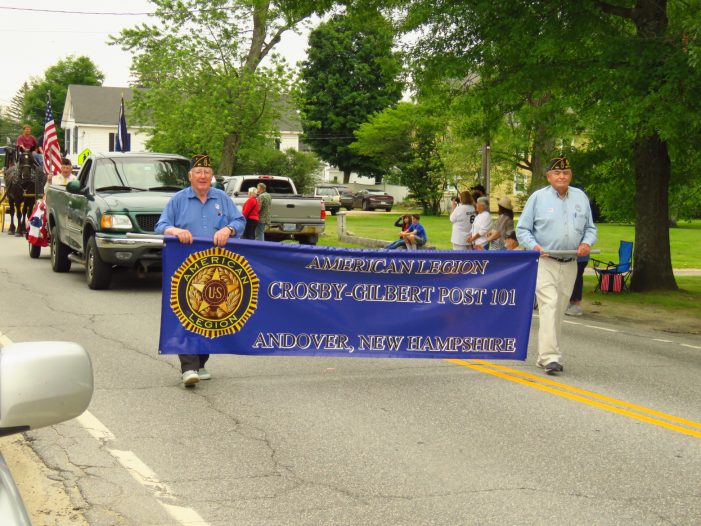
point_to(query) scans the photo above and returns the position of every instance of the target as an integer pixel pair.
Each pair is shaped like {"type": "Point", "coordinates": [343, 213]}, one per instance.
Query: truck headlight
{"type": "Point", "coordinates": [115, 222]}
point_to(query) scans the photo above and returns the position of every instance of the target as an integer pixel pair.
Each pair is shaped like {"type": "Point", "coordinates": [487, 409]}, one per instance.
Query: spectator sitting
{"type": "Point", "coordinates": [404, 222]}
{"type": "Point", "coordinates": [510, 240]}
{"type": "Point", "coordinates": [504, 223]}
{"type": "Point", "coordinates": [481, 225]}
{"type": "Point", "coordinates": [415, 236]}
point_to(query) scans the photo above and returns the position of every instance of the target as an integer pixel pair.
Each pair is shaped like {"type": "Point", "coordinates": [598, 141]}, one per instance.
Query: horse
{"type": "Point", "coordinates": [24, 182]}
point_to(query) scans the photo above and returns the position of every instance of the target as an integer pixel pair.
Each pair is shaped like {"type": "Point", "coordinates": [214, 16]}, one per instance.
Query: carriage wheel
{"type": "Point", "coordinates": [97, 272]}
{"type": "Point", "coordinates": [34, 251]}
{"type": "Point", "coordinates": [59, 253]}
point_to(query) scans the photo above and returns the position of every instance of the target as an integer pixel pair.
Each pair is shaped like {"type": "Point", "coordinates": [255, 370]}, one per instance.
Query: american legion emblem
{"type": "Point", "coordinates": [214, 292]}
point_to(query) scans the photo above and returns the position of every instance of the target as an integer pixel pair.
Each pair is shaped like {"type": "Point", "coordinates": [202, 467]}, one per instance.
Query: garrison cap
{"type": "Point", "coordinates": [559, 163]}
{"type": "Point", "coordinates": [201, 159]}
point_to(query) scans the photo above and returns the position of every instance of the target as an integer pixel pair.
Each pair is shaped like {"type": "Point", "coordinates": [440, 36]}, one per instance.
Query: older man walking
{"type": "Point", "coordinates": [556, 218]}
{"type": "Point", "coordinates": [205, 212]}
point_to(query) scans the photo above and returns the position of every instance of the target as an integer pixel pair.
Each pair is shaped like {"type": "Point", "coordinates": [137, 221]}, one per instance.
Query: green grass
{"type": "Point", "coordinates": [684, 302]}
{"type": "Point", "coordinates": [685, 241]}
{"type": "Point", "coordinates": [685, 247]}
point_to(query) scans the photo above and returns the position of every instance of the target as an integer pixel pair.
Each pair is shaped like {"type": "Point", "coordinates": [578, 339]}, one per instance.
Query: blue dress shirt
{"type": "Point", "coordinates": [185, 210]}
{"type": "Point", "coordinates": [556, 223]}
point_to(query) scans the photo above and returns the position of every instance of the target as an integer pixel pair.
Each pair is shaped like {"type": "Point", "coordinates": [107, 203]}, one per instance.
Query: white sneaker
{"type": "Point", "coordinates": [190, 378]}
{"type": "Point", "coordinates": [204, 374]}
{"type": "Point", "coordinates": [574, 310]}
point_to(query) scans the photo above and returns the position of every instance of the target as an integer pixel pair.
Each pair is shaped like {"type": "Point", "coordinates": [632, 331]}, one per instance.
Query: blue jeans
{"type": "Point", "coordinates": [260, 231]}
{"type": "Point", "coordinates": [395, 244]}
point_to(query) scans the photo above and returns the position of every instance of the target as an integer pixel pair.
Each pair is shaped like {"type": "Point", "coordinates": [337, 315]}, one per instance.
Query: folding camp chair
{"type": "Point", "coordinates": [614, 277]}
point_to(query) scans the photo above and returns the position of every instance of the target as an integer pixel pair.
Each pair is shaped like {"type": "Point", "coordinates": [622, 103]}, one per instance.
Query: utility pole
{"type": "Point", "coordinates": [485, 167]}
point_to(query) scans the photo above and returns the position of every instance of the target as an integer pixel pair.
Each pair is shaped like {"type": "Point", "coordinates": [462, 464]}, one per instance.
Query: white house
{"type": "Point", "coordinates": [90, 116]}
{"type": "Point", "coordinates": [89, 120]}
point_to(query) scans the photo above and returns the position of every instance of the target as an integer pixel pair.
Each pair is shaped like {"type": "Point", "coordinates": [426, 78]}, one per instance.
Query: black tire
{"type": "Point", "coordinates": [389, 209]}
{"type": "Point", "coordinates": [97, 272]}
{"type": "Point", "coordinates": [349, 208]}
{"type": "Point", "coordinates": [34, 251]}
{"type": "Point", "coordinates": [59, 253]}
{"type": "Point", "coordinates": [334, 212]}
{"type": "Point", "coordinates": [311, 239]}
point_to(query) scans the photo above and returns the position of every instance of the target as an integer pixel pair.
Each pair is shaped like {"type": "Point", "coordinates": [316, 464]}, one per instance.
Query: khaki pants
{"type": "Point", "coordinates": [553, 290]}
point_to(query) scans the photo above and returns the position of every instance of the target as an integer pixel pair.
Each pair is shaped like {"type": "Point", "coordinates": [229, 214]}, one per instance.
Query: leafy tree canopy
{"type": "Point", "coordinates": [622, 76]}
{"type": "Point", "coordinates": [71, 70]}
{"type": "Point", "coordinates": [201, 66]}
{"type": "Point", "coordinates": [351, 72]}
{"type": "Point", "coordinates": [409, 138]}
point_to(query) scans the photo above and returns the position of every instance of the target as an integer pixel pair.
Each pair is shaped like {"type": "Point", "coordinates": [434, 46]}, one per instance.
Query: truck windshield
{"type": "Point", "coordinates": [141, 173]}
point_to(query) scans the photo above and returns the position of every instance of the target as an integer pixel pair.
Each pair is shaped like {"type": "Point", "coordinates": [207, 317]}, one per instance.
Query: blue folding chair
{"type": "Point", "coordinates": [614, 276]}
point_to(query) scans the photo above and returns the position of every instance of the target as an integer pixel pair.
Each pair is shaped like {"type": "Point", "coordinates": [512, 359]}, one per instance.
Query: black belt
{"type": "Point", "coordinates": [562, 260]}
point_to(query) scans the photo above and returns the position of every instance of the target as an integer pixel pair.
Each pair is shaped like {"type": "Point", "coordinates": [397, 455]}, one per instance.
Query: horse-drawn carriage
{"type": "Point", "coordinates": [24, 185]}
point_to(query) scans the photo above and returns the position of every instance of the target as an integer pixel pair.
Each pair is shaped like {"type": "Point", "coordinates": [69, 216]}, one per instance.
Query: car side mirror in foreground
{"type": "Point", "coordinates": [42, 384]}
{"type": "Point", "coordinates": [73, 187]}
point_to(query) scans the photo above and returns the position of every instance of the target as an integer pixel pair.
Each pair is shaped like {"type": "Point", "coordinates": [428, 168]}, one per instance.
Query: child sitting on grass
{"type": "Point", "coordinates": [415, 236]}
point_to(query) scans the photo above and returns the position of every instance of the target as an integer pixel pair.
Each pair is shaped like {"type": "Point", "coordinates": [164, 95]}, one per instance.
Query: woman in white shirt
{"type": "Point", "coordinates": [462, 217]}
{"type": "Point", "coordinates": [482, 225]}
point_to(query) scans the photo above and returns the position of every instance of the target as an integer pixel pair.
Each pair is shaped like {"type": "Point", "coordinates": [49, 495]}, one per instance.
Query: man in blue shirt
{"type": "Point", "coordinates": [556, 218]}
{"type": "Point", "coordinates": [415, 236]}
{"type": "Point", "coordinates": [203, 212]}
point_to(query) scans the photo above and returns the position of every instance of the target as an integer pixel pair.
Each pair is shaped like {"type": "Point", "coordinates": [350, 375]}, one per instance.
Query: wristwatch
{"type": "Point", "coordinates": [231, 230]}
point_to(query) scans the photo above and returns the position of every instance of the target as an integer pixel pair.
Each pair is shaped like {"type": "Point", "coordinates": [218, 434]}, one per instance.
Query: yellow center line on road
{"type": "Point", "coordinates": [560, 389]}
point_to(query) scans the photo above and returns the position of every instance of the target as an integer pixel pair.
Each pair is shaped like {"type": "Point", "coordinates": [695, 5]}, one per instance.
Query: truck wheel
{"type": "Point", "coordinates": [97, 272]}
{"type": "Point", "coordinates": [334, 212]}
{"type": "Point", "coordinates": [59, 253]}
{"type": "Point", "coordinates": [34, 251]}
{"type": "Point", "coordinates": [311, 239]}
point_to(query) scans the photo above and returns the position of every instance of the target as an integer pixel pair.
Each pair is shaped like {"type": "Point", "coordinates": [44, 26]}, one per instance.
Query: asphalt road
{"type": "Point", "coordinates": [616, 439]}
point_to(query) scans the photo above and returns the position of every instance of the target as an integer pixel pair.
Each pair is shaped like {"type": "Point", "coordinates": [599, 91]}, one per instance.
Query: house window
{"type": "Point", "coordinates": [75, 139]}
{"type": "Point", "coordinates": [113, 141]}
{"type": "Point", "coordinates": [520, 183]}
{"type": "Point", "coordinates": [67, 139]}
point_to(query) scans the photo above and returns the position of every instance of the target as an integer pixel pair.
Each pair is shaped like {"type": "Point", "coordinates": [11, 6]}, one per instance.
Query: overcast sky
{"type": "Point", "coordinates": [32, 40]}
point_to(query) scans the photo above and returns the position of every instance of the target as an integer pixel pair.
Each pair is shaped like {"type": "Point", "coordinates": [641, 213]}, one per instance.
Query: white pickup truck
{"type": "Point", "coordinates": [293, 216]}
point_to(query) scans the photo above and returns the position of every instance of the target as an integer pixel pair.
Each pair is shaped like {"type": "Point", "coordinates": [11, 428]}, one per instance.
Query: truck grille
{"type": "Point", "coordinates": [147, 222]}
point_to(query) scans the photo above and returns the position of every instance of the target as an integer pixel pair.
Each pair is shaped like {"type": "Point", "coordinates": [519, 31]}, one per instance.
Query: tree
{"type": "Point", "coordinates": [13, 117]}
{"type": "Point", "coordinates": [350, 73]}
{"type": "Point", "coordinates": [70, 70]}
{"type": "Point", "coordinates": [408, 138]}
{"type": "Point", "coordinates": [628, 73]}
{"type": "Point", "coordinates": [205, 88]}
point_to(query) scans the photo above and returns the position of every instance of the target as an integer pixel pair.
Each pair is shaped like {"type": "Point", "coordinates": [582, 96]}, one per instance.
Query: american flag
{"type": "Point", "coordinates": [52, 151]}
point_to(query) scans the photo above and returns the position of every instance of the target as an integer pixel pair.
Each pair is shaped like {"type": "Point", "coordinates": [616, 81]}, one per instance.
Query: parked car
{"type": "Point", "coordinates": [41, 384]}
{"type": "Point", "coordinates": [330, 196]}
{"type": "Point", "coordinates": [346, 195]}
{"type": "Point", "coordinates": [372, 198]}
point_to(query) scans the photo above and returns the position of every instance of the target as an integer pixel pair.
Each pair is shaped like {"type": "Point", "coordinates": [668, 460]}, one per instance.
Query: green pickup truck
{"type": "Point", "coordinates": [103, 220]}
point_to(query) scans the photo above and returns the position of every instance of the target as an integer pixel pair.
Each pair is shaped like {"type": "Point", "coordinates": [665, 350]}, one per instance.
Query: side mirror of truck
{"type": "Point", "coordinates": [73, 187]}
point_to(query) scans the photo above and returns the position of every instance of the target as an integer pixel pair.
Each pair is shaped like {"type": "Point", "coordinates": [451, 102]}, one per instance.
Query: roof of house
{"type": "Point", "coordinates": [288, 119]}
{"type": "Point", "coordinates": [97, 105]}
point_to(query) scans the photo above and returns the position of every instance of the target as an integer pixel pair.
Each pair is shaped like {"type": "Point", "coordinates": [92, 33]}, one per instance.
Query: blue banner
{"type": "Point", "coordinates": [259, 298]}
